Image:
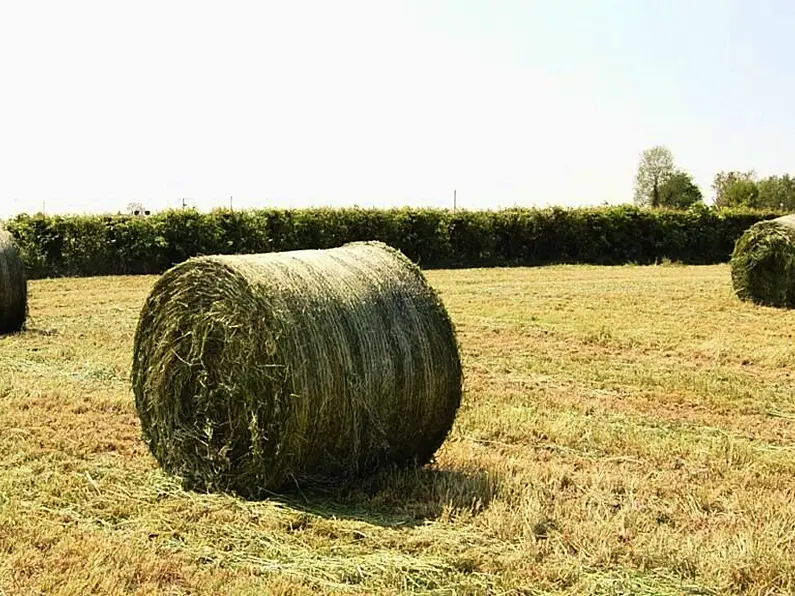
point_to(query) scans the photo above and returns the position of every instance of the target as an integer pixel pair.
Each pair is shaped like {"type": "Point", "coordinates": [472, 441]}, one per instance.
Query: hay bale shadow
{"type": "Point", "coordinates": [44, 332]}
{"type": "Point", "coordinates": [399, 497]}
{"type": "Point", "coordinates": [25, 331]}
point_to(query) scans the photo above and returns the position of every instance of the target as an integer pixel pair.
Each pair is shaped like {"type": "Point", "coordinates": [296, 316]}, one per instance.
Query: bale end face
{"type": "Point", "coordinates": [13, 286]}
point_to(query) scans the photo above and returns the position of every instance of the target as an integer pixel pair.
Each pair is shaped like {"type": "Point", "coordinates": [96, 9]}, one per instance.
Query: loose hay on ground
{"type": "Point", "coordinates": [13, 285]}
{"type": "Point", "coordinates": [256, 371]}
{"type": "Point", "coordinates": [763, 263]}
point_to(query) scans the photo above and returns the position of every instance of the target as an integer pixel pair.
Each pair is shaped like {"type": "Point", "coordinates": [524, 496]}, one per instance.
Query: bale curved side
{"type": "Point", "coordinates": [13, 286]}
{"type": "Point", "coordinates": [254, 371]}
{"type": "Point", "coordinates": [763, 263]}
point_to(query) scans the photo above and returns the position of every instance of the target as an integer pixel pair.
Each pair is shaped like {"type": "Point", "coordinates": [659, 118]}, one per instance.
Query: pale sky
{"type": "Point", "coordinates": [381, 103]}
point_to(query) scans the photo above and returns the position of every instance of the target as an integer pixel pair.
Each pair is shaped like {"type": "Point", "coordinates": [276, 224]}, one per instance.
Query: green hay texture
{"type": "Point", "coordinates": [13, 286]}
{"type": "Point", "coordinates": [763, 263]}
{"type": "Point", "coordinates": [252, 373]}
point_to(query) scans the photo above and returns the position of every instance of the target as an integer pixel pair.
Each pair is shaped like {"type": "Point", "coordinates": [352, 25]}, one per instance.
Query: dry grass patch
{"type": "Point", "coordinates": [624, 430]}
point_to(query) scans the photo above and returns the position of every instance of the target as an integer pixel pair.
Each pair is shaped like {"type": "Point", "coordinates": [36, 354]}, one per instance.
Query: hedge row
{"type": "Point", "coordinates": [111, 245]}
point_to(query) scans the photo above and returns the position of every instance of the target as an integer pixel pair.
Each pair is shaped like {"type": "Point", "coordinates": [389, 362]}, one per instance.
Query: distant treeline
{"type": "Point", "coordinates": [125, 244]}
{"type": "Point", "coordinates": [745, 189]}
{"type": "Point", "coordinates": [660, 183]}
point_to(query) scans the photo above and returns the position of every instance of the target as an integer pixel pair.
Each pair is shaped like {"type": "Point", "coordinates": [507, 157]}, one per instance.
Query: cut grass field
{"type": "Point", "coordinates": [625, 430]}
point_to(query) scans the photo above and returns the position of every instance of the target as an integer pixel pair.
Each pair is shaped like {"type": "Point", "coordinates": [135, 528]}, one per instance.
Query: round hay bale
{"type": "Point", "coordinates": [13, 285]}
{"type": "Point", "coordinates": [763, 263]}
{"type": "Point", "coordinates": [311, 367]}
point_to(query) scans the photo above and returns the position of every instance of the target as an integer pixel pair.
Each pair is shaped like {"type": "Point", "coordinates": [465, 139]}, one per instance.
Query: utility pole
{"type": "Point", "coordinates": [454, 200]}
{"type": "Point", "coordinates": [183, 202]}
{"type": "Point", "coordinates": [230, 203]}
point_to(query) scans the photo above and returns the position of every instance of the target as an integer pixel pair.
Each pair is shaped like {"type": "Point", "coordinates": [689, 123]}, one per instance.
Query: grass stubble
{"type": "Point", "coordinates": [624, 430]}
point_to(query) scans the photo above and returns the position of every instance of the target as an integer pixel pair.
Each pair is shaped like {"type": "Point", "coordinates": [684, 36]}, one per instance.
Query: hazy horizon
{"type": "Point", "coordinates": [510, 103]}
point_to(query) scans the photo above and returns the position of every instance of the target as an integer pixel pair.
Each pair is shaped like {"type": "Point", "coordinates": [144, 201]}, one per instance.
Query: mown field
{"type": "Point", "coordinates": [626, 430]}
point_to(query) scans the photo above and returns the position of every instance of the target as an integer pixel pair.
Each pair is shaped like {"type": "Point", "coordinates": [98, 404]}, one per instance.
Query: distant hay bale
{"type": "Point", "coordinates": [13, 285]}
{"type": "Point", "coordinates": [763, 263]}
{"type": "Point", "coordinates": [254, 372]}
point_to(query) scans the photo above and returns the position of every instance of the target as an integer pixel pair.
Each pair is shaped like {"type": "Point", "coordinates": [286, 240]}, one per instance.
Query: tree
{"type": "Point", "coordinates": [742, 193]}
{"type": "Point", "coordinates": [735, 189]}
{"type": "Point", "coordinates": [679, 191]}
{"type": "Point", "coordinates": [742, 189]}
{"type": "Point", "coordinates": [777, 192]}
{"type": "Point", "coordinates": [655, 168]}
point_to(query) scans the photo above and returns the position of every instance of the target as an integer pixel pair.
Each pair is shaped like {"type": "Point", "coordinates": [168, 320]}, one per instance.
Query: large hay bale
{"type": "Point", "coordinates": [13, 285]}
{"type": "Point", "coordinates": [763, 263]}
{"type": "Point", "coordinates": [254, 372]}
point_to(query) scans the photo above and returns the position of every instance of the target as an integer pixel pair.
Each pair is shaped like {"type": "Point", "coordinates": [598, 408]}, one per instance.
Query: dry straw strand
{"type": "Point", "coordinates": [13, 285]}
{"type": "Point", "coordinates": [253, 372]}
{"type": "Point", "coordinates": [763, 263]}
